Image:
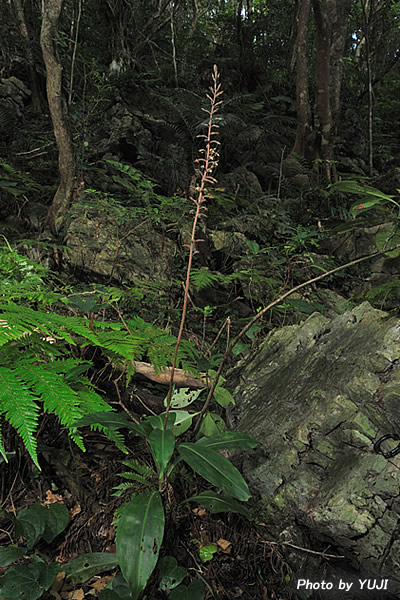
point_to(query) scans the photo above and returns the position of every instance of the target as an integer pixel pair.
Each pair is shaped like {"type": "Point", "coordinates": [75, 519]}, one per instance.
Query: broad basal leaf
{"type": "Point", "coordinates": [140, 532]}
{"type": "Point", "coordinates": [183, 421]}
{"type": "Point", "coordinates": [212, 424]}
{"type": "Point", "coordinates": [217, 503]}
{"type": "Point", "coordinates": [216, 469]}
{"type": "Point", "coordinates": [229, 440]}
{"type": "Point", "coordinates": [162, 444]}
{"type": "Point", "coordinates": [85, 566]}
{"type": "Point", "coordinates": [113, 420]}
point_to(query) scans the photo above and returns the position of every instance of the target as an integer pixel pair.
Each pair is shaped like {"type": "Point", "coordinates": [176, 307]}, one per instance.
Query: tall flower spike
{"type": "Point", "coordinates": [205, 167]}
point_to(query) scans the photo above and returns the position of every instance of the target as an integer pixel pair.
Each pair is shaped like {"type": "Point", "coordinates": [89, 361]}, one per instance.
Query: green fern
{"type": "Point", "coordinates": [139, 473]}
{"type": "Point", "coordinates": [40, 375]}
{"type": "Point", "coordinates": [20, 407]}
{"type": "Point", "coordinates": [14, 182]}
{"type": "Point", "coordinates": [19, 321]}
{"type": "Point", "coordinates": [37, 371]}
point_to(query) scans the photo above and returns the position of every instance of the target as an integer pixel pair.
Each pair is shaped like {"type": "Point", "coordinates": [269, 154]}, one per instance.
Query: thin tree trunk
{"type": "Point", "coordinates": [192, 31]}
{"type": "Point", "coordinates": [173, 44]}
{"type": "Point", "coordinates": [302, 99]}
{"type": "Point", "coordinates": [370, 90]}
{"type": "Point", "coordinates": [338, 21]}
{"type": "Point", "coordinates": [322, 95]}
{"type": "Point", "coordinates": [35, 87]}
{"type": "Point", "coordinates": [51, 10]}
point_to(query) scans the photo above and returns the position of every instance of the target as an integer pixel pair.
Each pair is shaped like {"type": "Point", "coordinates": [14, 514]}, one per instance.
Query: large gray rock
{"type": "Point", "coordinates": [317, 396]}
{"type": "Point", "coordinates": [15, 92]}
{"type": "Point", "coordinates": [107, 243]}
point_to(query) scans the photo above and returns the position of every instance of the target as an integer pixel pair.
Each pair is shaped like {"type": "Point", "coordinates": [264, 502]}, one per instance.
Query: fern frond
{"type": "Point", "coordinates": [121, 488]}
{"type": "Point", "coordinates": [139, 467]}
{"type": "Point", "coordinates": [116, 436]}
{"type": "Point", "coordinates": [21, 409]}
{"type": "Point", "coordinates": [90, 401]}
{"type": "Point", "coordinates": [18, 321]}
{"type": "Point", "coordinates": [133, 477]}
{"type": "Point", "coordinates": [122, 343]}
{"type": "Point", "coordinates": [58, 397]}
{"type": "Point", "coordinates": [2, 449]}
{"type": "Point", "coordinates": [140, 473]}
{"type": "Point", "coordinates": [203, 278]}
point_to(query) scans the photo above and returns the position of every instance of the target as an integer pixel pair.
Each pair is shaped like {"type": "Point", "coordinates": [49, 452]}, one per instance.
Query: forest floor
{"type": "Point", "coordinates": [245, 566]}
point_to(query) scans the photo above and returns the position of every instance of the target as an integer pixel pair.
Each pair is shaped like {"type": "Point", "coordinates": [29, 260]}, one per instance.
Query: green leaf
{"type": "Point", "coordinates": [212, 424]}
{"type": "Point", "coordinates": [223, 396]}
{"type": "Point", "coordinates": [353, 187]}
{"type": "Point", "coordinates": [10, 554]}
{"type": "Point", "coordinates": [217, 503]}
{"type": "Point", "coordinates": [194, 591]}
{"type": "Point", "coordinates": [239, 348]}
{"type": "Point", "coordinates": [86, 304]}
{"type": "Point", "coordinates": [117, 589]}
{"type": "Point", "coordinates": [301, 306]}
{"type": "Point", "coordinates": [387, 237]}
{"type": "Point", "coordinates": [369, 196]}
{"type": "Point", "coordinates": [84, 567]}
{"type": "Point", "coordinates": [182, 397]}
{"type": "Point", "coordinates": [39, 521]}
{"type": "Point", "coordinates": [171, 575]}
{"type": "Point", "coordinates": [229, 440]}
{"type": "Point", "coordinates": [140, 532]}
{"type": "Point", "coordinates": [20, 408]}
{"type": "Point", "coordinates": [30, 523]}
{"type": "Point", "coordinates": [162, 444]}
{"type": "Point", "coordinates": [48, 573]}
{"type": "Point", "coordinates": [216, 469]}
{"type": "Point", "coordinates": [358, 208]}
{"type": "Point", "coordinates": [207, 552]}
{"type": "Point", "coordinates": [183, 421]}
{"type": "Point", "coordinates": [57, 519]}
{"type": "Point", "coordinates": [158, 421]}
{"type": "Point", "coordinates": [112, 420]}
{"type": "Point", "coordinates": [27, 581]}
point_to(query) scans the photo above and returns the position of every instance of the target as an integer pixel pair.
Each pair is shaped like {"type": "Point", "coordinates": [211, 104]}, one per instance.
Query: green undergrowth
{"type": "Point", "coordinates": [44, 335]}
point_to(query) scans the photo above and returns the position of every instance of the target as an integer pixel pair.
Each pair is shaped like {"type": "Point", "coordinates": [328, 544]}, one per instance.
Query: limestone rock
{"type": "Point", "coordinates": [317, 396]}
{"type": "Point", "coordinates": [126, 251]}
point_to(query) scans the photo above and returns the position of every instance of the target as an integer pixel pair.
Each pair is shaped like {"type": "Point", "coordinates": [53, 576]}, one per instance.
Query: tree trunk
{"type": "Point", "coordinates": [51, 10]}
{"type": "Point", "coordinates": [338, 21]}
{"type": "Point", "coordinates": [322, 91]}
{"type": "Point", "coordinates": [366, 21]}
{"type": "Point", "coordinates": [303, 106]}
{"type": "Point", "coordinates": [192, 31]}
{"type": "Point", "coordinates": [30, 63]}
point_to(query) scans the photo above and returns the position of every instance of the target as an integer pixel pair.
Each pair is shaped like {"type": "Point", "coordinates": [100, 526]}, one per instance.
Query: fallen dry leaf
{"type": "Point", "coordinates": [58, 582]}
{"type": "Point", "coordinates": [224, 545]}
{"type": "Point", "coordinates": [52, 498]}
{"type": "Point", "coordinates": [101, 583]}
{"type": "Point", "coordinates": [199, 511]}
{"type": "Point", "coordinates": [75, 510]}
{"type": "Point", "coordinates": [78, 595]}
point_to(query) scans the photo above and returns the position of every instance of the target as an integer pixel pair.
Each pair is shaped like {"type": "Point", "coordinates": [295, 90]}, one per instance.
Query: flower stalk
{"type": "Point", "coordinates": [205, 167]}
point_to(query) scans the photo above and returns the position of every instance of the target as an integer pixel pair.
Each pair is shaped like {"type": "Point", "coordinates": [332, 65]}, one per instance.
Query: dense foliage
{"type": "Point", "coordinates": [140, 228]}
